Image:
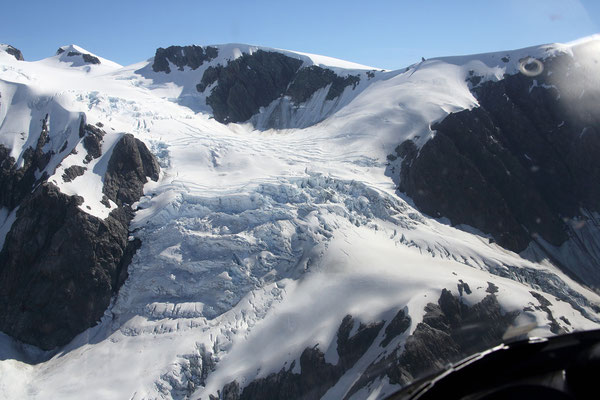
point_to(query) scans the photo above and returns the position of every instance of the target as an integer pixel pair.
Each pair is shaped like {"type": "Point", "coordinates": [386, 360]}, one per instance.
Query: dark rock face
{"type": "Point", "coordinates": [16, 53]}
{"type": "Point", "coordinates": [544, 306]}
{"type": "Point", "coordinates": [92, 141]}
{"type": "Point", "coordinates": [16, 183]}
{"type": "Point", "coordinates": [131, 162]}
{"type": "Point", "coordinates": [518, 166]}
{"type": "Point", "coordinates": [248, 83]}
{"type": "Point", "coordinates": [73, 172]}
{"type": "Point", "coordinates": [181, 56]}
{"type": "Point", "coordinates": [60, 266]}
{"type": "Point", "coordinates": [397, 326]}
{"type": "Point", "coordinates": [450, 330]}
{"type": "Point", "coordinates": [88, 58]}
{"type": "Point", "coordinates": [256, 80]}
{"type": "Point", "coordinates": [316, 375]}
{"type": "Point", "coordinates": [309, 80]}
{"type": "Point", "coordinates": [351, 348]}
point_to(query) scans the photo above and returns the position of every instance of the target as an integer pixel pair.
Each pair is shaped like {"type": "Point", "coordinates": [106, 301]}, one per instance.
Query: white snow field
{"type": "Point", "coordinates": [257, 243]}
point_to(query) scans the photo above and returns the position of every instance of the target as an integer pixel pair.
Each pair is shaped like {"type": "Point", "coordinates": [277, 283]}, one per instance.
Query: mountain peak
{"type": "Point", "coordinates": [13, 51]}
{"type": "Point", "coordinates": [78, 56]}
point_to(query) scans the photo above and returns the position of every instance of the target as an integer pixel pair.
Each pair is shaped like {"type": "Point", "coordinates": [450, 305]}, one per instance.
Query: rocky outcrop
{"type": "Point", "coordinates": [520, 166]}
{"type": "Point", "coordinates": [131, 162]}
{"type": "Point", "coordinates": [60, 266]}
{"type": "Point", "coordinates": [88, 58]}
{"type": "Point", "coordinates": [544, 306]}
{"type": "Point", "coordinates": [182, 56]}
{"type": "Point", "coordinates": [255, 80]}
{"type": "Point", "coordinates": [92, 141]}
{"type": "Point", "coordinates": [397, 326]}
{"type": "Point", "coordinates": [248, 83]}
{"type": "Point", "coordinates": [316, 375]}
{"type": "Point", "coordinates": [16, 183]}
{"type": "Point", "coordinates": [13, 51]}
{"type": "Point", "coordinates": [309, 80]}
{"type": "Point", "coordinates": [450, 330]}
{"type": "Point", "coordinates": [73, 172]}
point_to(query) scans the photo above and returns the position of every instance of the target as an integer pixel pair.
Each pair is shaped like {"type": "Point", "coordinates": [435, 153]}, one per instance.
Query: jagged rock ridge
{"type": "Point", "coordinates": [87, 58]}
{"type": "Point", "coordinates": [520, 167]}
{"type": "Point", "coordinates": [182, 56]}
{"type": "Point", "coordinates": [60, 266]}
{"type": "Point", "coordinates": [255, 80]}
{"type": "Point", "coordinates": [446, 334]}
{"type": "Point", "coordinates": [13, 51]}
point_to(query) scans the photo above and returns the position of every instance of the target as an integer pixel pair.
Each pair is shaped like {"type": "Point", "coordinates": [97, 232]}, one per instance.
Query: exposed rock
{"type": "Point", "coordinates": [131, 162]}
{"type": "Point", "coordinates": [463, 287]}
{"type": "Point", "coordinates": [182, 56]}
{"type": "Point", "coordinates": [82, 124]}
{"type": "Point", "coordinates": [231, 391]}
{"type": "Point", "coordinates": [450, 330]}
{"type": "Point", "coordinates": [516, 166]}
{"type": "Point", "coordinates": [544, 306]}
{"type": "Point", "coordinates": [52, 285]}
{"type": "Point", "coordinates": [13, 51]}
{"type": "Point", "coordinates": [92, 142]}
{"type": "Point", "coordinates": [492, 289]}
{"type": "Point", "coordinates": [351, 348]}
{"type": "Point", "coordinates": [309, 80]}
{"type": "Point", "coordinates": [256, 80]}
{"type": "Point", "coordinates": [316, 375]}
{"type": "Point", "coordinates": [248, 83]}
{"type": "Point", "coordinates": [210, 76]}
{"type": "Point", "coordinates": [16, 183]}
{"type": "Point", "coordinates": [60, 266]}
{"type": "Point", "coordinates": [73, 172]}
{"type": "Point", "coordinates": [474, 79]}
{"type": "Point", "coordinates": [397, 326]}
{"type": "Point", "coordinates": [90, 59]}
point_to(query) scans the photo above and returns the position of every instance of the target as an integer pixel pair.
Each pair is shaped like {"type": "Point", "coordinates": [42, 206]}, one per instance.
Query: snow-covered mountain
{"type": "Point", "coordinates": [237, 221]}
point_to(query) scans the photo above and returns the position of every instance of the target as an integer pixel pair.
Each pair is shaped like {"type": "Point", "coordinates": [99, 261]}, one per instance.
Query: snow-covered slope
{"type": "Point", "coordinates": [256, 242]}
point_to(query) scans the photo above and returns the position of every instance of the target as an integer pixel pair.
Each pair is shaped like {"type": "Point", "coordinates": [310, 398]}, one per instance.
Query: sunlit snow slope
{"type": "Point", "coordinates": [257, 242]}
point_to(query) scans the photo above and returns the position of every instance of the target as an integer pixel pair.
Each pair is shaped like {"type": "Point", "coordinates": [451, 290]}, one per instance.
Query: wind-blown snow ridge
{"type": "Point", "coordinates": [258, 240]}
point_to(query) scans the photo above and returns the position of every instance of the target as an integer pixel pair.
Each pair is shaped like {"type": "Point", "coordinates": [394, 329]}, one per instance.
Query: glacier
{"type": "Point", "coordinates": [259, 238]}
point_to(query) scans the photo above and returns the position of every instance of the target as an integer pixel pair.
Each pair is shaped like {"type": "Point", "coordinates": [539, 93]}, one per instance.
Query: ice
{"type": "Point", "coordinates": [261, 239]}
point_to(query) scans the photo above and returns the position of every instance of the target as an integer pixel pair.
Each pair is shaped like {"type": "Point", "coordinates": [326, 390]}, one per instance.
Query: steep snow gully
{"type": "Point", "coordinates": [236, 222]}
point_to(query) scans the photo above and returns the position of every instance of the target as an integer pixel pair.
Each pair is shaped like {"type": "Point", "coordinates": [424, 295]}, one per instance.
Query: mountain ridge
{"type": "Point", "coordinates": [284, 231]}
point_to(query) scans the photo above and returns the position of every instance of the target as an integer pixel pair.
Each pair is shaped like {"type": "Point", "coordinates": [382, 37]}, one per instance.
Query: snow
{"type": "Point", "coordinates": [332, 62]}
{"type": "Point", "coordinates": [260, 239]}
{"type": "Point", "coordinates": [77, 61]}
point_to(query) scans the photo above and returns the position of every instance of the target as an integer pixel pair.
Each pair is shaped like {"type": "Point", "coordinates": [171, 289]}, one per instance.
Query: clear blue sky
{"type": "Point", "coordinates": [386, 34]}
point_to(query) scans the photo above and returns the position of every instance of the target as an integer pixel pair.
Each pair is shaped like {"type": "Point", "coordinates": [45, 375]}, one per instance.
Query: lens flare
{"type": "Point", "coordinates": [530, 66]}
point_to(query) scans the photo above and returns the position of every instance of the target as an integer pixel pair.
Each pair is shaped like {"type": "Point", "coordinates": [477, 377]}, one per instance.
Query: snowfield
{"type": "Point", "coordinates": [256, 243]}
